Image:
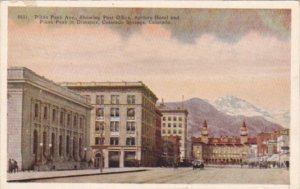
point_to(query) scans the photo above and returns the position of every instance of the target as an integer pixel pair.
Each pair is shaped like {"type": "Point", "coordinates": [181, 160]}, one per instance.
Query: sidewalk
{"type": "Point", "coordinates": [28, 176]}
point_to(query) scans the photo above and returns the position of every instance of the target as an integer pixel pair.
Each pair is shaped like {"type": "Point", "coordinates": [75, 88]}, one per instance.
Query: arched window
{"type": "Point", "coordinates": [130, 113]}
{"type": "Point", "coordinates": [35, 142]}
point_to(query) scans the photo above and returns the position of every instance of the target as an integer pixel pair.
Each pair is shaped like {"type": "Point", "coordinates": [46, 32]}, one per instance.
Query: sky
{"type": "Point", "coordinates": [207, 53]}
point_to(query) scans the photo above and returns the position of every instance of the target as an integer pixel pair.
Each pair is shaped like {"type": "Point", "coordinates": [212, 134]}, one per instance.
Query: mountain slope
{"type": "Point", "coordinates": [235, 106]}
{"type": "Point", "coordinates": [220, 123]}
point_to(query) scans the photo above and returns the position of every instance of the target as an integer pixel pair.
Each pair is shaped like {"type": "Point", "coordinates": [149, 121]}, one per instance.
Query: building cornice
{"type": "Point", "coordinates": [25, 76]}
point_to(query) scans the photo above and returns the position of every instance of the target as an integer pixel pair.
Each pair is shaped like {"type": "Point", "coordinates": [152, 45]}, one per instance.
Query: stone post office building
{"type": "Point", "coordinates": [47, 124]}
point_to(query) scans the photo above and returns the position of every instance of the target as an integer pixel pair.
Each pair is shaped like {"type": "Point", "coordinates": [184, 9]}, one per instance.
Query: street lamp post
{"type": "Point", "coordinates": [85, 149]}
{"type": "Point", "coordinates": [50, 148]}
{"type": "Point", "coordinates": [41, 145]}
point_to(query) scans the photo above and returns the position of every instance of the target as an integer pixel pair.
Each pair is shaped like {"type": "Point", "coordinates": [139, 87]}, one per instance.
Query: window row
{"type": "Point", "coordinates": [170, 125]}
{"type": "Point", "coordinates": [54, 143]}
{"type": "Point", "coordinates": [114, 99]}
{"type": "Point", "coordinates": [170, 118]}
{"type": "Point", "coordinates": [114, 141]}
{"type": "Point", "coordinates": [114, 126]}
{"type": "Point", "coordinates": [57, 115]}
{"type": "Point", "coordinates": [170, 132]}
{"type": "Point", "coordinates": [115, 112]}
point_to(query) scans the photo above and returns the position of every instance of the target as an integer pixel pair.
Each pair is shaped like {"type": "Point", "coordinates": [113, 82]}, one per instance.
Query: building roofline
{"type": "Point", "coordinates": [174, 110]}
{"type": "Point", "coordinates": [109, 84]}
{"type": "Point", "coordinates": [26, 75]}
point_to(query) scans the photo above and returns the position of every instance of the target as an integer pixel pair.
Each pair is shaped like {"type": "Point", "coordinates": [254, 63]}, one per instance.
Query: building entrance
{"type": "Point", "coordinates": [98, 161]}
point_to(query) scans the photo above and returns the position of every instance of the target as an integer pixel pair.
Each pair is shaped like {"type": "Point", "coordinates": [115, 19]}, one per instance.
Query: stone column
{"type": "Point", "coordinates": [122, 158]}
{"type": "Point", "coordinates": [106, 158]}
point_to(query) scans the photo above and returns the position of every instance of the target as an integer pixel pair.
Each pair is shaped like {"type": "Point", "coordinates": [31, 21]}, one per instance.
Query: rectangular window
{"type": "Point", "coordinates": [99, 113]}
{"type": "Point", "coordinates": [36, 110]}
{"type": "Point", "coordinates": [164, 131]}
{"type": "Point", "coordinates": [60, 146]}
{"type": "Point", "coordinates": [164, 124]}
{"type": "Point", "coordinates": [174, 125]}
{"type": "Point", "coordinates": [75, 121]}
{"type": "Point", "coordinates": [80, 122]}
{"type": "Point", "coordinates": [180, 118]}
{"type": "Point", "coordinates": [130, 141]}
{"type": "Point", "coordinates": [99, 99]}
{"type": "Point", "coordinates": [174, 118]}
{"type": "Point", "coordinates": [169, 124]}
{"type": "Point", "coordinates": [180, 132]}
{"type": "Point", "coordinates": [164, 118]}
{"type": "Point", "coordinates": [114, 126]}
{"type": "Point", "coordinates": [53, 115]}
{"type": "Point", "coordinates": [130, 113]}
{"type": "Point", "coordinates": [45, 112]}
{"type": "Point", "coordinates": [99, 140]}
{"type": "Point", "coordinates": [69, 119]}
{"type": "Point", "coordinates": [114, 99]}
{"type": "Point", "coordinates": [179, 125]}
{"type": "Point", "coordinates": [61, 117]}
{"type": "Point", "coordinates": [99, 126]}
{"type": "Point", "coordinates": [130, 127]}
{"type": "Point", "coordinates": [131, 99]}
{"type": "Point", "coordinates": [114, 141]}
{"type": "Point", "coordinates": [169, 131]}
{"type": "Point", "coordinates": [169, 118]}
{"type": "Point", "coordinates": [114, 112]}
{"type": "Point", "coordinates": [174, 131]}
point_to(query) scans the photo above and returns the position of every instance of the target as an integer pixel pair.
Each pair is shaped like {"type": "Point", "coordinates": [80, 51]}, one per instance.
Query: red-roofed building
{"type": "Point", "coordinates": [224, 149]}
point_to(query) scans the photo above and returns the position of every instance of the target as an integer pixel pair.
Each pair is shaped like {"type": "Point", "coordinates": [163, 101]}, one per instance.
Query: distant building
{"type": "Point", "coordinates": [262, 147]}
{"type": "Point", "coordinates": [123, 122]}
{"type": "Point", "coordinates": [252, 148]}
{"type": "Point", "coordinates": [47, 124]}
{"type": "Point", "coordinates": [223, 149]}
{"type": "Point", "coordinates": [158, 139]}
{"type": "Point", "coordinates": [283, 141]}
{"type": "Point", "coordinates": [174, 123]}
{"type": "Point", "coordinates": [170, 150]}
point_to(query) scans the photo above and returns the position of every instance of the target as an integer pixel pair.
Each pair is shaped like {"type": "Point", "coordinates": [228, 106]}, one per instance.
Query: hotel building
{"type": "Point", "coordinates": [174, 123]}
{"type": "Point", "coordinates": [226, 149]}
{"type": "Point", "coordinates": [123, 122]}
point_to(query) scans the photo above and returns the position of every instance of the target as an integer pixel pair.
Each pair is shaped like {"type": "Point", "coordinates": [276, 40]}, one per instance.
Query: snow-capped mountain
{"type": "Point", "coordinates": [220, 123]}
{"type": "Point", "coordinates": [234, 106]}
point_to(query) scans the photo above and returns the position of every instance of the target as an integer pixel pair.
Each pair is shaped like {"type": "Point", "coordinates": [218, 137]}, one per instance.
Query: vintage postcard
{"type": "Point", "coordinates": [164, 94]}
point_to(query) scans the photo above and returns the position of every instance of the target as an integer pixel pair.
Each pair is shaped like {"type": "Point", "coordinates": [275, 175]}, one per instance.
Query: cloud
{"type": "Point", "coordinates": [212, 62]}
{"type": "Point", "coordinates": [229, 25]}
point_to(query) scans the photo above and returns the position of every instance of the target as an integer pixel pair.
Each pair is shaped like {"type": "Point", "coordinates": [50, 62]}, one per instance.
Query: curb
{"type": "Point", "coordinates": [79, 175]}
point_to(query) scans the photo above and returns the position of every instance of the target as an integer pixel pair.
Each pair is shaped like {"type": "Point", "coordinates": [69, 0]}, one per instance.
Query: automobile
{"type": "Point", "coordinates": [198, 164]}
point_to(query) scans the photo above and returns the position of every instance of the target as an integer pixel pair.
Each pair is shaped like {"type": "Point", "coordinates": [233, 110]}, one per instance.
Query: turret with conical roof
{"type": "Point", "coordinates": [204, 132]}
{"type": "Point", "coordinates": [244, 133]}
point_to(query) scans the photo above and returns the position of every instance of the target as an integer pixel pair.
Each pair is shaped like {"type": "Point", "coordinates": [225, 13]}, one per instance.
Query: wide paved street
{"type": "Point", "coordinates": [187, 175]}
